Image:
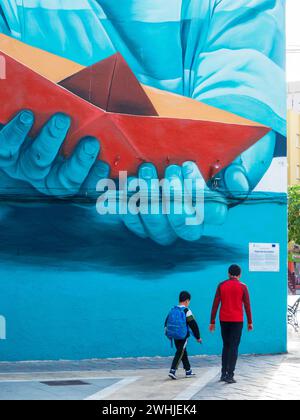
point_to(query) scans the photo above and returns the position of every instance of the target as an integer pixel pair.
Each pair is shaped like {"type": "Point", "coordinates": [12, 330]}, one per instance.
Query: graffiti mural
{"type": "Point", "coordinates": [142, 149]}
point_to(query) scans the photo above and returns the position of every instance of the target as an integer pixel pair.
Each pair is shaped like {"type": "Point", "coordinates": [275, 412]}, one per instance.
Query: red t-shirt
{"type": "Point", "coordinates": [233, 297]}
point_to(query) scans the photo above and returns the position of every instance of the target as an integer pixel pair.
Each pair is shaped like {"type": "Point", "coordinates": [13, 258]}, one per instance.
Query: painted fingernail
{"type": "Point", "coordinates": [61, 121]}
{"type": "Point", "coordinates": [91, 147]}
{"type": "Point", "coordinates": [174, 171]}
{"type": "Point", "coordinates": [188, 168]}
{"type": "Point", "coordinates": [147, 172]}
{"type": "Point", "coordinates": [26, 117]}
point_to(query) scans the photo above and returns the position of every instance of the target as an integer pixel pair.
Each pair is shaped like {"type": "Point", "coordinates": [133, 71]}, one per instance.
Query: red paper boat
{"type": "Point", "coordinates": [134, 123]}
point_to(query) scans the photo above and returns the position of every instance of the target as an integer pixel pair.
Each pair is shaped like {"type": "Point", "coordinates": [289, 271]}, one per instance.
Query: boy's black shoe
{"type": "Point", "coordinates": [223, 378]}
{"type": "Point", "coordinates": [172, 374]}
{"type": "Point", "coordinates": [189, 373]}
{"type": "Point", "coordinates": [230, 380]}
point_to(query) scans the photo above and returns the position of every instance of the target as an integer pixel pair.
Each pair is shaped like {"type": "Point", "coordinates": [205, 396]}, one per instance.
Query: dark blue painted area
{"type": "Point", "coordinates": [71, 291]}
{"type": "Point", "coordinates": [281, 146]}
{"type": "Point", "coordinates": [53, 237]}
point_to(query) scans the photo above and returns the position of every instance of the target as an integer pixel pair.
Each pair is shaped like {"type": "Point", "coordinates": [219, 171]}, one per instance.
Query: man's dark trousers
{"type": "Point", "coordinates": [181, 355]}
{"type": "Point", "coordinates": [231, 334]}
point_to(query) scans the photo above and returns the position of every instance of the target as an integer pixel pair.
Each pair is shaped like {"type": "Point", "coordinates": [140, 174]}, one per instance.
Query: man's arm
{"type": "Point", "coordinates": [247, 305]}
{"type": "Point", "coordinates": [215, 307]}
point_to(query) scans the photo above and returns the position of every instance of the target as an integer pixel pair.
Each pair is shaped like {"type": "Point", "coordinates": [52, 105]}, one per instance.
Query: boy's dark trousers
{"type": "Point", "coordinates": [231, 334]}
{"type": "Point", "coordinates": [181, 355]}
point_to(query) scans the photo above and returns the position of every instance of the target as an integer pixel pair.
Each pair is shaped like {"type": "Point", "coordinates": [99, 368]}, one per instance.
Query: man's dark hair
{"type": "Point", "coordinates": [235, 270]}
{"type": "Point", "coordinates": [184, 296]}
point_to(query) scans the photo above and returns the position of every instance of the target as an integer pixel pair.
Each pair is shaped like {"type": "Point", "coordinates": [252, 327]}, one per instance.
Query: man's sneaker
{"type": "Point", "coordinates": [189, 373]}
{"type": "Point", "coordinates": [223, 378]}
{"type": "Point", "coordinates": [230, 380]}
{"type": "Point", "coordinates": [172, 374]}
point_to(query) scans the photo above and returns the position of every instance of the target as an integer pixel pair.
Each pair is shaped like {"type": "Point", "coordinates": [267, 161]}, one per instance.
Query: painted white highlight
{"type": "Point", "coordinates": [2, 68]}
{"type": "Point", "coordinates": [106, 392]}
{"type": "Point", "coordinates": [55, 4]}
{"type": "Point", "coordinates": [2, 328]}
{"type": "Point", "coordinates": [198, 385]}
{"type": "Point", "coordinates": [275, 179]}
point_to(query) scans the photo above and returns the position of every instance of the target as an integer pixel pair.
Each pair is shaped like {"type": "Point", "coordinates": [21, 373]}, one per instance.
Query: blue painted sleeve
{"type": "Point", "coordinates": [3, 24]}
{"type": "Point", "coordinates": [10, 21]}
{"type": "Point", "coordinates": [240, 67]}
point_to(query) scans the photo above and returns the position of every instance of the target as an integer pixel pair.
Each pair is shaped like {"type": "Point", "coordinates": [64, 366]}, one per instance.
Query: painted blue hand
{"type": "Point", "coordinates": [177, 215]}
{"type": "Point", "coordinates": [35, 166]}
{"type": "Point", "coordinates": [233, 185]}
{"type": "Point", "coordinates": [244, 174]}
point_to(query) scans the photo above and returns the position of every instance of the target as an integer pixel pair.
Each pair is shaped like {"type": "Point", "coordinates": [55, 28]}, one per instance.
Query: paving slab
{"type": "Point", "coordinates": [34, 390]}
{"type": "Point", "coordinates": [270, 377]}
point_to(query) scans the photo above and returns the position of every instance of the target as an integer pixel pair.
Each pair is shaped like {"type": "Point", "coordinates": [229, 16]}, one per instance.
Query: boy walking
{"type": "Point", "coordinates": [233, 297]}
{"type": "Point", "coordinates": [177, 327]}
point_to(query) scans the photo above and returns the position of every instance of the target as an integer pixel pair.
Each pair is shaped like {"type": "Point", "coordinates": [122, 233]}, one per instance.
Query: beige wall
{"type": "Point", "coordinates": [294, 147]}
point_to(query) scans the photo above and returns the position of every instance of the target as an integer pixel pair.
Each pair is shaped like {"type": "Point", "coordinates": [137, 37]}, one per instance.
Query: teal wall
{"type": "Point", "coordinates": [109, 297]}
{"type": "Point", "coordinates": [71, 287]}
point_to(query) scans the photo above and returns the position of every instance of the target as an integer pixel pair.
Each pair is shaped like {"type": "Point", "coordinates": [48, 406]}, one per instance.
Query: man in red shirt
{"type": "Point", "coordinates": [233, 297]}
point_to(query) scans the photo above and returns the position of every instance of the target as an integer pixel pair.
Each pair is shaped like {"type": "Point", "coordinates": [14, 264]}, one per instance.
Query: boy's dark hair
{"type": "Point", "coordinates": [184, 296]}
{"type": "Point", "coordinates": [235, 270]}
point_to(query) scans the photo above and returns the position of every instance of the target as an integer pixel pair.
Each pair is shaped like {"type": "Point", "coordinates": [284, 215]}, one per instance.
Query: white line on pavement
{"type": "Point", "coordinates": [198, 385]}
{"type": "Point", "coordinates": [104, 393]}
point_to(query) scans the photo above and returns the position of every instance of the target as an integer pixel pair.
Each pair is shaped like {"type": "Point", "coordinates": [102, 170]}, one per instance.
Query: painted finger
{"type": "Point", "coordinates": [37, 158]}
{"type": "Point", "coordinates": [100, 170]}
{"type": "Point", "coordinates": [12, 137]}
{"type": "Point", "coordinates": [216, 208]}
{"type": "Point", "coordinates": [130, 208]}
{"type": "Point", "coordinates": [195, 187]}
{"type": "Point", "coordinates": [68, 177]}
{"type": "Point", "coordinates": [156, 223]}
{"type": "Point", "coordinates": [179, 207]}
{"type": "Point", "coordinates": [236, 181]}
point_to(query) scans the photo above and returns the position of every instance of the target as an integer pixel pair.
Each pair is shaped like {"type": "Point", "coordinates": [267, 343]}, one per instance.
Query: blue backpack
{"type": "Point", "coordinates": [177, 328]}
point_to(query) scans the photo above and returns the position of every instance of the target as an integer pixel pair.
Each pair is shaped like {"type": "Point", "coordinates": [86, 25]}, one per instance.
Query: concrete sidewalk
{"type": "Point", "coordinates": [259, 377]}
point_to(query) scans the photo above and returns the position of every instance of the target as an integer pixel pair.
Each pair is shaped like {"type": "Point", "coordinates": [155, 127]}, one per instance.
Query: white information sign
{"type": "Point", "coordinates": [264, 257]}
